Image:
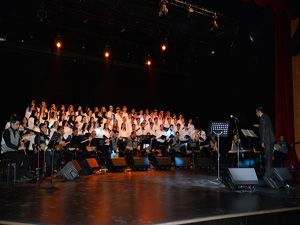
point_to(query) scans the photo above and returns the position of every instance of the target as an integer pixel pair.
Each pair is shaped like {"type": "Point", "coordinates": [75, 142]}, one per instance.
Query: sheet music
{"type": "Point", "coordinates": [248, 133]}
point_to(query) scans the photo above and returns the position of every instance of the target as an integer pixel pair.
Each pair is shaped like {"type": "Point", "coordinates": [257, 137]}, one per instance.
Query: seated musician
{"type": "Point", "coordinates": [54, 154]}
{"type": "Point", "coordinates": [235, 148]}
{"type": "Point", "coordinates": [198, 144]}
{"type": "Point", "coordinates": [185, 135]}
{"type": "Point", "coordinates": [175, 146]}
{"type": "Point", "coordinates": [74, 147]}
{"type": "Point", "coordinates": [144, 139]}
{"type": "Point", "coordinates": [213, 148]}
{"type": "Point", "coordinates": [28, 139]}
{"type": "Point", "coordinates": [88, 146]}
{"type": "Point", "coordinates": [123, 137]}
{"type": "Point", "coordinates": [131, 149]}
{"type": "Point", "coordinates": [114, 143]}
{"type": "Point", "coordinates": [105, 153]}
{"type": "Point", "coordinates": [159, 143]}
{"type": "Point", "coordinates": [235, 143]}
{"type": "Point", "coordinates": [13, 148]}
{"type": "Point", "coordinates": [41, 141]}
{"type": "Point", "coordinates": [280, 151]}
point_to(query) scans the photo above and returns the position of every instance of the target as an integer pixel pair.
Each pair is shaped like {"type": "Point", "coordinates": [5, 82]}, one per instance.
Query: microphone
{"type": "Point", "coordinates": [233, 117]}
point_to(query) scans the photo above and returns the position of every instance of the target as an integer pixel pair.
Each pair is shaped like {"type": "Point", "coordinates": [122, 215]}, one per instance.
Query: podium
{"type": "Point", "coordinates": [220, 129]}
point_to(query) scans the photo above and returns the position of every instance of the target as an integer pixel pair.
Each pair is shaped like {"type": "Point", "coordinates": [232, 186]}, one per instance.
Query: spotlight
{"type": "Point", "coordinates": [58, 42]}
{"type": "Point", "coordinates": [163, 8]}
{"type": "Point", "coordinates": [148, 61]}
{"type": "Point", "coordinates": [106, 52]}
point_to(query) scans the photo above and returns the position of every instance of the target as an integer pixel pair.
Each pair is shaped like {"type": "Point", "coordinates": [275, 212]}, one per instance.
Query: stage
{"type": "Point", "coordinates": [172, 196]}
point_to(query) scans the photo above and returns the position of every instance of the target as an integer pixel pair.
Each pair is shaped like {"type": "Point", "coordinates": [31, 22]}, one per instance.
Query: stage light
{"type": "Point", "coordinates": [190, 10]}
{"type": "Point", "coordinates": [106, 54]}
{"type": "Point", "coordinates": [164, 44]}
{"type": "Point", "coordinates": [58, 44]}
{"type": "Point", "coordinates": [215, 24]}
{"type": "Point", "coordinates": [148, 62]}
{"type": "Point", "coordinates": [164, 47]}
{"type": "Point", "coordinates": [163, 8]}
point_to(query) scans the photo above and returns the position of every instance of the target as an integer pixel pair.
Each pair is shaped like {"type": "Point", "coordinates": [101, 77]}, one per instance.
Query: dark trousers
{"type": "Point", "coordinates": [52, 159]}
{"type": "Point", "coordinates": [268, 159]}
{"type": "Point", "coordinates": [104, 157]}
{"type": "Point", "coordinates": [129, 158]}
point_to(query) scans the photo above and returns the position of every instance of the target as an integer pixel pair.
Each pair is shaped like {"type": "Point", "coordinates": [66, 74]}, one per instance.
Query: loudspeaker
{"type": "Point", "coordinates": [118, 164]}
{"type": "Point", "coordinates": [182, 162]}
{"type": "Point", "coordinates": [241, 178]}
{"type": "Point", "coordinates": [69, 171]}
{"type": "Point", "coordinates": [89, 166]}
{"type": "Point", "coordinates": [141, 163]}
{"type": "Point", "coordinates": [163, 163]}
{"type": "Point", "coordinates": [77, 166]}
{"type": "Point", "coordinates": [279, 178]}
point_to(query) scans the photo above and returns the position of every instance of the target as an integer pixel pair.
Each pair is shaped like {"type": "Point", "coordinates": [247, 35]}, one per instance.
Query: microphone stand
{"type": "Point", "coordinates": [236, 121]}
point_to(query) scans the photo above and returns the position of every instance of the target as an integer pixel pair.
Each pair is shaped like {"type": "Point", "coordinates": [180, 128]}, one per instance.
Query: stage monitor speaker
{"type": "Point", "coordinates": [279, 178]}
{"type": "Point", "coordinates": [163, 163]}
{"type": "Point", "coordinates": [77, 166]}
{"type": "Point", "coordinates": [118, 164]}
{"type": "Point", "coordinates": [70, 170]}
{"type": "Point", "coordinates": [182, 162]}
{"type": "Point", "coordinates": [241, 178]}
{"type": "Point", "coordinates": [89, 166]}
{"type": "Point", "coordinates": [141, 163]}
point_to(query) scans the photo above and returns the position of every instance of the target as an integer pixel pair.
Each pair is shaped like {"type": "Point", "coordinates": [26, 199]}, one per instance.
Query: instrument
{"type": "Point", "coordinates": [280, 148]}
{"type": "Point", "coordinates": [90, 148]}
{"type": "Point", "coordinates": [60, 146]}
{"type": "Point", "coordinates": [43, 146]}
{"type": "Point", "coordinates": [241, 151]}
{"type": "Point", "coordinates": [22, 147]}
{"type": "Point", "coordinates": [85, 140]}
{"type": "Point", "coordinates": [36, 132]}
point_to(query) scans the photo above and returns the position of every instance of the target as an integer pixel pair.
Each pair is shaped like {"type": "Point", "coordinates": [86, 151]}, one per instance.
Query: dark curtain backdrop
{"type": "Point", "coordinates": [284, 110]}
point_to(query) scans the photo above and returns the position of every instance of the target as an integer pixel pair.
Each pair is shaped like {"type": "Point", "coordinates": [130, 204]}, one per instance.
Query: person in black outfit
{"type": "Point", "coordinates": [267, 139]}
{"type": "Point", "coordinates": [41, 141]}
{"type": "Point", "coordinates": [53, 155]}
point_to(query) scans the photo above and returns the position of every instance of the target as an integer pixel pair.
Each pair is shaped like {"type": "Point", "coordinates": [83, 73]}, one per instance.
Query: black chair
{"type": "Point", "coordinates": [6, 166]}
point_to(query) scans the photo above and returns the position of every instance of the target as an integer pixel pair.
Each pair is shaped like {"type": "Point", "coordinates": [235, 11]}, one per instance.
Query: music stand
{"type": "Point", "coordinates": [220, 129]}
{"type": "Point", "coordinates": [249, 134]}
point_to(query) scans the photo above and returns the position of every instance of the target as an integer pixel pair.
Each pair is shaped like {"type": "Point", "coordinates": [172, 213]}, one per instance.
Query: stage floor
{"type": "Point", "coordinates": [175, 196]}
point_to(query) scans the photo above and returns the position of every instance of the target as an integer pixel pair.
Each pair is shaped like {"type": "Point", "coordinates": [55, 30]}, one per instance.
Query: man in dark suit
{"type": "Point", "coordinates": [267, 139]}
